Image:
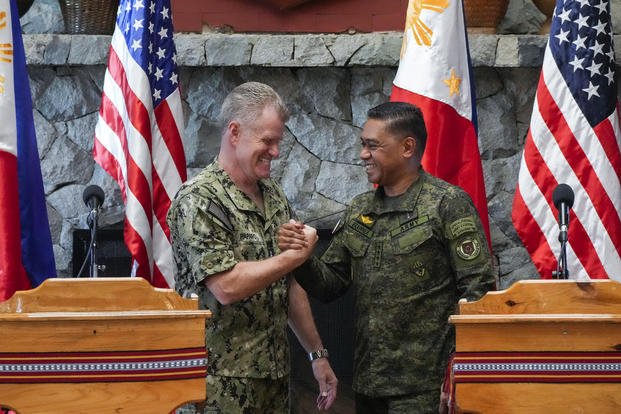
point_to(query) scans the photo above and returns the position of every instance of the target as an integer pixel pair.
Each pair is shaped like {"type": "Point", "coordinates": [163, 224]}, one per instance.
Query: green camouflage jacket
{"type": "Point", "coordinates": [213, 226]}
{"type": "Point", "coordinates": [409, 260]}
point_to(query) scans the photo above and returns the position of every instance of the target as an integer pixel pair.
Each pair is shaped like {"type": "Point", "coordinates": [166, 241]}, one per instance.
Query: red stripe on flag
{"type": "Point", "coordinates": [161, 203]}
{"type": "Point", "coordinates": [136, 245]}
{"type": "Point", "coordinates": [534, 240]}
{"type": "Point", "coordinates": [606, 134]}
{"type": "Point", "coordinates": [12, 274]}
{"type": "Point", "coordinates": [158, 278]}
{"type": "Point", "coordinates": [170, 133]}
{"type": "Point", "coordinates": [109, 164]}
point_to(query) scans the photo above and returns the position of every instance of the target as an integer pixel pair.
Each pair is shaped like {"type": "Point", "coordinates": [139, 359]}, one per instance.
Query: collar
{"type": "Point", "coordinates": [242, 202]}
{"type": "Point", "coordinates": [401, 203]}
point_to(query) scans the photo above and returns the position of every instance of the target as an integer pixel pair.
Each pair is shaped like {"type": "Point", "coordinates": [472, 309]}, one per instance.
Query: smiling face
{"type": "Point", "coordinates": [387, 158]}
{"type": "Point", "coordinates": [256, 144]}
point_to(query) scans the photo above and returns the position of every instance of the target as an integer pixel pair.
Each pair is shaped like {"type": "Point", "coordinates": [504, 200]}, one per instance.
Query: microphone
{"type": "Point", "coordinates": [563, 198]}
{"type": "Point", "coordinates": [93, 196]}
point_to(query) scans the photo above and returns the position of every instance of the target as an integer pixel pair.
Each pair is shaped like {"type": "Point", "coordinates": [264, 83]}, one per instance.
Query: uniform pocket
{"type": "Point", "coordinates": [412, 239]}
{"type": "Point", "coordinates": [357, 246]}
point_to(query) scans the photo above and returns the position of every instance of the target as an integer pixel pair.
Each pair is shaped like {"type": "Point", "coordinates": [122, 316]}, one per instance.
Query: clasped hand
{"type": "Point", "coordinates": [295, 235]}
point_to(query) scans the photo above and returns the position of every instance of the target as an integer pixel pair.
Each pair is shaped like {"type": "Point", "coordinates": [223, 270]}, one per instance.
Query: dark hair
{"type": "Point", "coordinates": [402, 119]}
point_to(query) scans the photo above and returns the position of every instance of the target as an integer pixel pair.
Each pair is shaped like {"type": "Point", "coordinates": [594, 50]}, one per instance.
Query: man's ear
{"type": "Point", "coordinates": [233, 130]}
{"type": "Point", "coordinates": [409, 147]}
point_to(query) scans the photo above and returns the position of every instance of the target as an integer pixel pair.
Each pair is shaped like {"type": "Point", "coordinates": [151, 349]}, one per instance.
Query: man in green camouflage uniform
{"type": "Point", "coordinates": [410, 250]}
{"type": "Point", "coordinates": [224, 225]}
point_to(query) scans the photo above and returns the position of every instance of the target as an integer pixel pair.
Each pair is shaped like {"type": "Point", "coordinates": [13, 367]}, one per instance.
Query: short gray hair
{"type": "Point", "coordinates": [246, 102]}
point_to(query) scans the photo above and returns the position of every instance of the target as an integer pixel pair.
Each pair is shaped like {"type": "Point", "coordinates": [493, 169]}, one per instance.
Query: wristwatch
{"type": "Point", "coordinates": [320, 353]}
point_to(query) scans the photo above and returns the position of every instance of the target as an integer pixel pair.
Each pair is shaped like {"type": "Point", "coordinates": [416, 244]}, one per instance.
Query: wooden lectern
{"type": "Point", "coordinates": [541, 346]}
{"type": "Point", "coordinates": [108, 345]}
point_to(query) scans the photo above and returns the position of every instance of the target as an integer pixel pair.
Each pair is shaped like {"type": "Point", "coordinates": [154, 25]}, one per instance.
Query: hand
{"type": "Point", "coordinates": [300, 255]}
{"type": "Point", "coordinates": [311, 237]}
{"type": "Point", "coordinates": [327, 383]}
{"type": "Point", "coordinates": [291, 236]}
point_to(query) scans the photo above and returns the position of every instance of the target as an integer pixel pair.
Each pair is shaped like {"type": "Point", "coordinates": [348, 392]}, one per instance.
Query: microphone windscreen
{"type": "Point", "coordinates": [93, 191]}
{"type": "Point", "coordinates": [563, 194]}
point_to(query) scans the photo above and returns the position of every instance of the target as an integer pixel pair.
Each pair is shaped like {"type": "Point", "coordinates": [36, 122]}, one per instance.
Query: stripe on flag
{"type": "Point", "coordinates": [574, 138]}
{"type": "Point", "coordinates": [138, 135]}
{"type": "Point", "coordinates": [26, 255]}
{"type": "Point", "coordinates": [435, 75]}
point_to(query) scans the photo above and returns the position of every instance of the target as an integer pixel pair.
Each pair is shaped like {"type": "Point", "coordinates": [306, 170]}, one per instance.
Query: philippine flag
{"type": "Point", "coordinates": [26, 255]}
{"type": "Point", "coordinates": [435, 75]}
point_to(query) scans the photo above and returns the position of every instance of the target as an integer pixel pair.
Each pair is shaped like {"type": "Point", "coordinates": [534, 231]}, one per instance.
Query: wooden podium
{"type": "Point", "coordinates": [541, 346]}
{"type": "Point", "coordinates": [107, 345]}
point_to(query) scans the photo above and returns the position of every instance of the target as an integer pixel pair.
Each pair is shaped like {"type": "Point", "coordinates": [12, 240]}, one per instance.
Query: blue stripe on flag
{"type": "Point", "coordinates": [37, 253]}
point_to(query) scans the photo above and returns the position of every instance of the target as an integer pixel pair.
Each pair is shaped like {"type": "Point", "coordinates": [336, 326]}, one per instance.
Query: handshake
{"type": "Point", "coordinates": [297, 239]}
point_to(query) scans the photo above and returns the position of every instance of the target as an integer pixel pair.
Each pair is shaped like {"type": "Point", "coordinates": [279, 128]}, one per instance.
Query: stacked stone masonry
{"type": "Point", "coordinates": [328, 81]}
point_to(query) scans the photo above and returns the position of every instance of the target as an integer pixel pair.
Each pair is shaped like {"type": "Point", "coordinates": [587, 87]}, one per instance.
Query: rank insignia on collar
{"type": "Point", "coordinates": [366, 220]}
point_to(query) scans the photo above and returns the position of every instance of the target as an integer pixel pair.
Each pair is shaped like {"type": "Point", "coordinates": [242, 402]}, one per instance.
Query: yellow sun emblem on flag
{"type": "Point", "coordinates": [420, 31]}
{"type": "Point", "coordinates": [6, 49]}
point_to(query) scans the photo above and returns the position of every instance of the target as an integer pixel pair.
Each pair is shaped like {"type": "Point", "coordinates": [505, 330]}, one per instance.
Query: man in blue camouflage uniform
{"type": "Point", "coordinates": [410, 250]}
{"type": "Point", "coordinates": [224, 226]}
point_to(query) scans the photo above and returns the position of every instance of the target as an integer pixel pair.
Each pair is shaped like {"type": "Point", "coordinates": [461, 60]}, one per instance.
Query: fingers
{"type": "Point", "coordinates": [310, 234]}
{"type": "Point", "coordinates": [291, 236]}
{"type": "Point", "coordinates": [327, 382]}
{"type": "Point", "coordinates": [326, 399]}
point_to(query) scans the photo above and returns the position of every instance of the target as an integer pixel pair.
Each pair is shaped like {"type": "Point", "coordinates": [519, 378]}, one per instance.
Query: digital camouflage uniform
{"type": "Point", "coordinates": [409, 260]}
{"type": "Point", "coordinates": [213, 226]}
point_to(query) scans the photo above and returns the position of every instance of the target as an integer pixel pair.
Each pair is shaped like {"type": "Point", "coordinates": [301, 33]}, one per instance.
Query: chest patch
{"type": "Point", "coordinates": [409, 225]}
{"type": "Point", "coordinates": [360, 228]}
{"type": "Point", "coordinates": [249, 237]}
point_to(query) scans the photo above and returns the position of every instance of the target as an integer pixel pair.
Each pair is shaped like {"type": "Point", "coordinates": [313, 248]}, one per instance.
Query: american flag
{"type": "Point", "coordinates": [138, 135]}
{"type": "Point", "coordinates": [574, 138]}
{"type": "Point", "coordinates": [435, 75]}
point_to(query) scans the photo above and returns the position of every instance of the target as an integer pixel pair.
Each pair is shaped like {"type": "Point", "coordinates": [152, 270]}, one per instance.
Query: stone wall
{"type": "Point", "coordinates": [329, 81]}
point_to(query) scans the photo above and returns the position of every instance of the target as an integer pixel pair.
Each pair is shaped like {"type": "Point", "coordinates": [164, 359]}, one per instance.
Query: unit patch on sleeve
{"type": "Point", "coordinates": [461, 226]}
{"type": "Point", "coordinates": [469, 248]}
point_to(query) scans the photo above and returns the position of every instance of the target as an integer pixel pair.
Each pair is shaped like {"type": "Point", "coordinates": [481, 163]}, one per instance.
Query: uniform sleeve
{"type": "Point", "coordinates": [468, 249]}
{"type": "Point", "coordinates": [328, 278]}
{"type": "Point", "coordinates": [207, 242]}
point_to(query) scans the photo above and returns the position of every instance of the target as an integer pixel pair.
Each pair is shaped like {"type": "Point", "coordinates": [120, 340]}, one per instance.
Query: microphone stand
{"type": "Point", "coordinates": [92, 219]}
{"type": "Point", "coordinates": [561, 270]}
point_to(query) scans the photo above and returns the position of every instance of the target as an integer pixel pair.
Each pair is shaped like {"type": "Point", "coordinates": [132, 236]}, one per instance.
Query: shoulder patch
{"type": "Point", "coordinates": [469, 248]}
{"type": "Point", "coordinates": [217, 212]}
{"type": "Point", "coordinates": [461, 226]}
